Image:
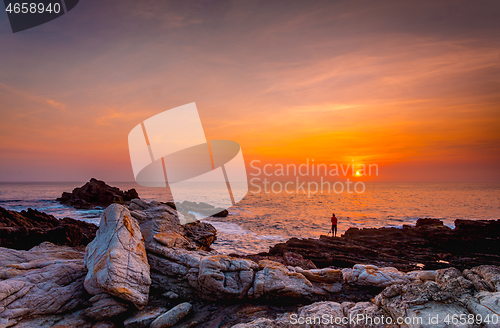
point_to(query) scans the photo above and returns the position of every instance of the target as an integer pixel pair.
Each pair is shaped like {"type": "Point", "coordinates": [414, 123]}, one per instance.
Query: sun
{"type": "Point", "coordinates": [358, 173]}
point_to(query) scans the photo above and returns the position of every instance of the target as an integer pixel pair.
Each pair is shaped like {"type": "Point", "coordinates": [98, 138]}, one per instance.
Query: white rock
{"type": "Point", "coordinates": [373, 276]}
{"type": "Point", "coordinates": [224, 277]}
{"type": "Point", "coordinates": [116, 259]}
{"type": "Point", "coordinates": [275, 280]}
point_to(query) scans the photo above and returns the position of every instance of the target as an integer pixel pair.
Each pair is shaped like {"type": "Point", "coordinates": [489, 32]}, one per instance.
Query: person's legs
{"type": "Point", "coordinates": [334, 230]}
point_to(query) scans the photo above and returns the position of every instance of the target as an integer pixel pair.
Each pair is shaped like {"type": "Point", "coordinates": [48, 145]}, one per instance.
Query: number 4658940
{"type": "Point", "coordinates": [32, 8]}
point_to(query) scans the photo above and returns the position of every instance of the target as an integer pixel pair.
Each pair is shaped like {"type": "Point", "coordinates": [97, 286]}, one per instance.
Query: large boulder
{"type": "Point", "coordinates": [26, 229]}
{"type": "Point", "coordinates": [224, 277]}
{"type": "Point", "coordinates": [116, 259]}
{"type": "Point", "coordinates": [275, 280]}
{"type": "Point", "coordinates": [47, 280]}
{"type": "Point", "coordinates": [96, 193]}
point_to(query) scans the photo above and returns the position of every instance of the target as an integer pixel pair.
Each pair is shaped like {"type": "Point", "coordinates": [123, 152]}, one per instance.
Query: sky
{"type": "Point", "coordinates": [412, 86]}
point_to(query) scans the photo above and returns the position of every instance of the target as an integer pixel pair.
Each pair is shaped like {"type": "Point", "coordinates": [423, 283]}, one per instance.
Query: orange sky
{"type": "Point", "coordinates": [412, 87]}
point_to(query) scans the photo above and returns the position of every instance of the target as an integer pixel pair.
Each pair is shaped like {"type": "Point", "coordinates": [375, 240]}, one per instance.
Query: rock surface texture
{"type": "Point", "coordinates": [143, 256]}
{"type": "Point", "coordinates": [26, 229]}
{"type": "Point", "coordinates": [116, 259]}
{"type": "Point", "coordinates": [46, 280]}
{"type": "Point", "coordinates": [96, 193]}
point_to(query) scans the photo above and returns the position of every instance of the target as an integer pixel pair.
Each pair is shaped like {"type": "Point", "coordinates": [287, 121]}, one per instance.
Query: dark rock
{"type": "Point", "coordinates": [96, 193]}
{"type": "Point", "coordinates": [430, 244]}
{"type": "Point", "coordinates": [429, 223]}
{"type": "Point", "coordinates": [202, 208]}
{"type": "Point", "coordinates": [201, 233]}
{"type": "Point", "coordinates": [25, 229]}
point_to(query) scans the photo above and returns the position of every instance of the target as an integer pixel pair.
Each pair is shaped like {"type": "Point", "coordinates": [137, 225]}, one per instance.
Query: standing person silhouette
{"type": "Point", "coordinates": [334, 225]}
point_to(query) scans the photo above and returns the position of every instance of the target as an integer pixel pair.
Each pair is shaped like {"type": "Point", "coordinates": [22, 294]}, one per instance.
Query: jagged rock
{"type": "Point", "coordinates": [26, 229]}
{"type": "Point", "coordinates": [223, 277]}
{"type": "Point", "coordinates": [450, 294]}
{"type": "Point", "coordinates": [162, 221]}
{"type": "Point", "coordinates": [116, 259]}
{"type": "Point", "coordinates": [144, 318]}
{"type": "Point", "coordinates": [275, 280]}
{"type": "Point", "coordinates": [201, 233]}
{"type": "Point", "coordinates": [297, 260]}
{"type": "Point", "coordinates": [38, 282]}
{"type": "Point", "coordinates": [373, 276]}
{"type": "Point", "coordinates": [486, 277]}
{"type": "Point", "coordinates": [173, 316]}
{"type": "Point", "coordinates": [96, 193]}
{"type": "Point", "coordinates": [375, 317]}
{"type": "Point", "coordinates": [105, 306]}
{"type": "Point", "coordinates": [430, 245]}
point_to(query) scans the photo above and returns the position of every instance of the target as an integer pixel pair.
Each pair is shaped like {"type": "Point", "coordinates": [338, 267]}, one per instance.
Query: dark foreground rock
{"type": "Point", "coordinates": [429, 245]}
{"type": "Point", "coordinates": [26, 229]}
{"type": "Point", "coordinates": [96, 193]}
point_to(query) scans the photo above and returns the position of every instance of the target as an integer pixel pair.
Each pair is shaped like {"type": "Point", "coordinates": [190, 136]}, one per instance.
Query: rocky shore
{"type": "Point", "coordinates": [428, 245]}
{"type": "Point", "coordinates": [146, 269]}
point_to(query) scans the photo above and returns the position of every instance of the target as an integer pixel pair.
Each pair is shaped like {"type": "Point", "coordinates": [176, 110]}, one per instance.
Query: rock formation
{"type": "Point", "coordinates": [116, 259]}
{"type": "Point", "coordinates": [429, 245]}
{"type": "Point", "coordinates": [26, 229]}
{"type": "Point", "coordinates": [46, 280]}
{"type": "Point", "coordinates": [143, 256]}
{"type": "Point", "coordinates": [96, 193]}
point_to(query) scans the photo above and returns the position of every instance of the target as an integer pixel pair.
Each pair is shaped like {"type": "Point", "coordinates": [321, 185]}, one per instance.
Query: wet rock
{"type": "Point", "coordinates": [116, 259]}
{"type": "Point", "coordinates": [144, 318]}
{"type": "Point", "coordinates": [201, 208]}
{"type": "Point", "coordinates": [96, 193]}
{"type": "Point", "coordinates": [105, 306]}
{"type": "Point", "coordinates": [173, 316]}
{"type": "Point", "coordinates": [26, 229]}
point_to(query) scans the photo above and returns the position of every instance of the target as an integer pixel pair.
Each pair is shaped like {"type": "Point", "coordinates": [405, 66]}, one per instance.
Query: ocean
{"type": "Point", "coordinates": [262, 219]}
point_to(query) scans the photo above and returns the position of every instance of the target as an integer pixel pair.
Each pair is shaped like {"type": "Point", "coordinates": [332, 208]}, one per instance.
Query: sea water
{"type": "Point", "coordinates": [262, 219]}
